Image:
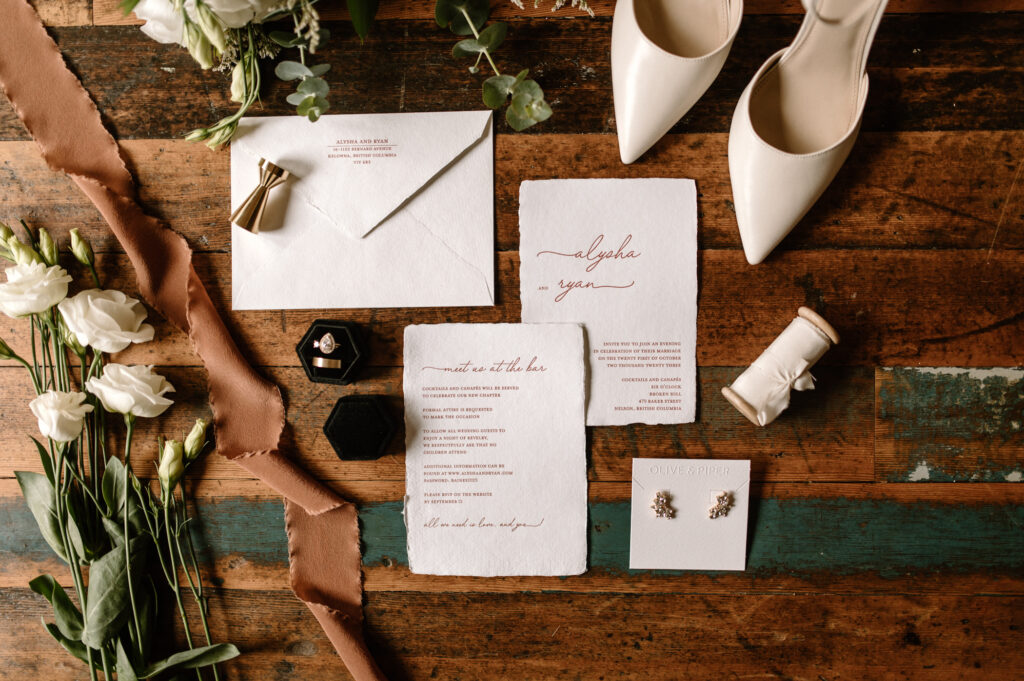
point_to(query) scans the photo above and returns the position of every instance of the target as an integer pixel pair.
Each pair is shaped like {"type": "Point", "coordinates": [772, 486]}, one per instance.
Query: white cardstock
{"type": "Point", "coordinates": [691, 539]}
{"type": "Point", "coordinates": [495, 467]}
{"type": "Point", "coordinates": [381, 210]}
{"type": "Point", "coordinates": [620, 257]}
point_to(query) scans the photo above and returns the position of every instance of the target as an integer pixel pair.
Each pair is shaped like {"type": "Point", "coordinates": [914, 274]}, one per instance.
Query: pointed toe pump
{"type": "Point", "coordinates": [665, 55]}
{"type": "Point", "coordinates": [797, 120]}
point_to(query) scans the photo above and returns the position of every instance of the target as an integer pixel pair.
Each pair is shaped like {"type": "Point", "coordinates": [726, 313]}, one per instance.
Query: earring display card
{"type": "Point", "coordinates": [619, 257]}
{"type": "Point", "coordinates": [691, 539]}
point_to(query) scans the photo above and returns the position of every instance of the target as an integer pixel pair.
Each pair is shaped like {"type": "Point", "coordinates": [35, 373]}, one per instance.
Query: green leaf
{"type": "Point", "coordinates": [527, 106]}
{"type": "Point", "coordinates": [497, 90]}
{"type": "Point", "coordinates": [295, 98]}
{"type": "Point", "coordinates": [115, 530]}
{"type": "Point", "coordinates": [68, 617]}
{"type": "Point", "coordinates": [38, 493]}
{"type": "Point", "coordinates": [305, 105]}
{"type": "Point", "coordinates": [291, 70]}
{"type": "Point", "coordinates": [362, 13]}
{"type": "Point", "coordinates": [192, 659]}
{"type": "Point", "coordinates": [493, 35]}
{"type": "Point", "coordinates": [320, 69]}
{"type": "Point", "coordinates": [125, 670]}
{"type": "Point", "coordinates": [112, 486]}
{"type": "Point", "coordinates": [448, 14]}
{"type": "Point", "coordinates": [44, 456]}
{"type": "Point", "coordinates": [108, 600]}
{"type": "Point", "coordinates": [316, 87]}
{"type": "Point", "coordinates": [76, 648]}
{"type": "Point", "coordinates": [467, 48]}
{"type": "Point", "coordinates": [287, 38]}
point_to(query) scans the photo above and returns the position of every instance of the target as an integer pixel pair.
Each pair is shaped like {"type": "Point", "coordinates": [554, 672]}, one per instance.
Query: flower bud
{"type": "Point", "coordinates": [70, 339]}
{"type": "Point", "coordinates": [23, 255]}
{"type": "Point", "coordinates": [211, 27]}
{"type": "Point", "coordinates": [81, 249]}
{"type": "Point", "coordinates": [196, 440]}
{"type": "Point", "coordinates": [5, 351]}
{"type": "Point", "coordinates": [171, 466]}
{"type": "Point", "coordinates": [47, 247]}
{"type": "Point", "coordinates": [5, 232]}
{"type": "Point", "coordinates": [220, 136]}
{"type": "Point", "coordinates": [198, 46]}
{"type": "Point", "coordinates": [238, 83]}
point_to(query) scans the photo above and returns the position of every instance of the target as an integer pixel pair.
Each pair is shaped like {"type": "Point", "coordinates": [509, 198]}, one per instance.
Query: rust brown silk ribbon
{"type": "Point", "coordinates": [323, 533]}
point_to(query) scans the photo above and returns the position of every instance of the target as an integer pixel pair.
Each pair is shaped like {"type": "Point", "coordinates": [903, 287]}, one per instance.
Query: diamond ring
{"type": "Point", "coordinates": [326, 344]}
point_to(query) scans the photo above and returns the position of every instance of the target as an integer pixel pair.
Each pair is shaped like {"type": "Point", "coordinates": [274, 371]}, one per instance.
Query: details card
{"type": "Point", "coordinates": [496, 473]}
{"type": "Point", "coordinates": [672, 525]}
{"type": "Point", "coordinates": [620, 257]}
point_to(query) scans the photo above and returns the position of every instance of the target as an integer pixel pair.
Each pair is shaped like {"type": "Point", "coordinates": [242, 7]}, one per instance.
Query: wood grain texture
{"type": "Point", "coordinates": [915, 253]}
{"type": "Point", "coordinates": [949, 425]}
{"type": "Point", "coordinates": [897, 190]}
{"type": "Point", "coordinates": [107, 12]}
{"type": "Point", "coordinates": [929, 72]}
{"type": "Point", "coordinates": [834, 538]}
{"type": "Point", "coordinates": [925, 308]}
{"type": "Point", "coordinates": [590, 636]}
{"type": "Point", "coordinates": [827, 435]}
{"type": "Point", "coordinates": [64, 12]}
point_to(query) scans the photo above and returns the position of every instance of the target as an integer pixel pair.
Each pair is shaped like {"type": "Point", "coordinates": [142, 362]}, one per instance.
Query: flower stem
{"type": "Point", "coordinates": [476, 34]}
{"type": "Point", "coordinates": [129, 421]}
{"type": "Point", "coordinates": [197, 585]}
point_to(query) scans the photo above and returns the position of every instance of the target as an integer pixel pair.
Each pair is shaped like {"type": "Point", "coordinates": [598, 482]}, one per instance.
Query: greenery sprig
{"type": "Point", "coordinates": [310, 97]}
{"type": "Point", "coordinates": [525, 98]}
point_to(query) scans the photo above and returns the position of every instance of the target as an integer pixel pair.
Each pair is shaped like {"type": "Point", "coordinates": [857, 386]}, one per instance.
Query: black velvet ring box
{"type": "Point", "coordinates": [348, 351]}
{"type": "Point", "coordinates": [359, 427]}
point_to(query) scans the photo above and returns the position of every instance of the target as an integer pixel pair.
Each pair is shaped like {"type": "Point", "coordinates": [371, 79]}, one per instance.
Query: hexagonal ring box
{"type": "Point", "coordinates": [345, 349]}
{"type": "Point", "coordinates": [359, 427]}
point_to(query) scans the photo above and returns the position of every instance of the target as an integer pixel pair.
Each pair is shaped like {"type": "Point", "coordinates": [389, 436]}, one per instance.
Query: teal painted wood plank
{"type": "Point", "coordinates": [840, 536]}
{"type": "Point", "coordinates": [950, 425]}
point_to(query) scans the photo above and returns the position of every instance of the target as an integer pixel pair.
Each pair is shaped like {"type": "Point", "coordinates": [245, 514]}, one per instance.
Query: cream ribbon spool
{"type": "Point", "coordinates": [762, 392]}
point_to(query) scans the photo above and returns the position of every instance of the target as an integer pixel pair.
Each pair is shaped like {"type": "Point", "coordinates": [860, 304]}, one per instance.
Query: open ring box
{"type": "Point", "coordinates": [348, 351]}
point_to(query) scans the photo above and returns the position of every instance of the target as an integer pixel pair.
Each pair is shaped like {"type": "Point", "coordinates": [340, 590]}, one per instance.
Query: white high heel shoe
{"type": "Point", "coordinates": [797, 120]}
{"type": "Point", "coordinates": [665, 55]}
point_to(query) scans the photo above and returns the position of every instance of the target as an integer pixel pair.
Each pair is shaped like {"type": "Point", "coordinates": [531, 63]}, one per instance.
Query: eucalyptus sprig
{"type": "Point", "coordinates": [525, 98]}
{"type": "Point", "coordinates": [310, 97]}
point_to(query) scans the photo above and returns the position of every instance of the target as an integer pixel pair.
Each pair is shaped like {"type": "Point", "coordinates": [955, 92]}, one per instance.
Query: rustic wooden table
{"type": "Point", "coordinates": [886, 531]}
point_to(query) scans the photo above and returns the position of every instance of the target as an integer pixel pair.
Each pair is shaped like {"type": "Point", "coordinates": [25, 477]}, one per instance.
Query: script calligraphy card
{"type": "Point", "coordinates": [686, 536]}
{"type": "Point", "coordinates": [496, 479]}
{"type": "Point", "coordinates": [620, 257]}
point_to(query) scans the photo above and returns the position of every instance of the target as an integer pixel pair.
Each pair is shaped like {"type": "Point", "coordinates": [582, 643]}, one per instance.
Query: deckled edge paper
{"type": "Point", "coordinates": [496, 480]}
{"type": "Point", "coordinates": [620, 257]}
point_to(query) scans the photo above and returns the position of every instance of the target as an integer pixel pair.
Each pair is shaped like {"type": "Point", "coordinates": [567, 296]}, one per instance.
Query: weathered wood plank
{"type": "Point", "coordinates": [929, 72]}
{"type": "Point", "coordinates": [108, 13]}
{"type": "Point", "coordinates": [949, 425]}
{"type": "Point", "coordinates": [834, 538]}
{"type": "Point", "coordinates": [64, 12]}
{"type": "Point", "coordinates": [825, 436]}
{"type": "Point", "coordinates": [903, 190]}
{"type": "Point", "coordinates": [921, 308]}
{"type": "Point", "coordinates": [573, 636]}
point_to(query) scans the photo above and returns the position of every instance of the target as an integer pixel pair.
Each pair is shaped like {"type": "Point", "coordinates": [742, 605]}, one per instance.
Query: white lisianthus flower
{"type": "Point", "coordinates": [61, 415]}
{"type": "Point", "coordinates": [135, 390]}
{"type": "Point", "coordinates": [32, 288]}
{"type": "Point", "coordinates": [108, 321]}
{"type": "Point", "coordinates": [164, 24]}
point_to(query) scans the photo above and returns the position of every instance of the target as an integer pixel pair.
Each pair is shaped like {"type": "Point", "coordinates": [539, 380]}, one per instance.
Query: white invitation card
{"type": "Point", "coordinates": [620, 257]}
{"type": "Point", "coordinates": [689, 514]}
{"type": "Point", "coordinates": [496, 471]}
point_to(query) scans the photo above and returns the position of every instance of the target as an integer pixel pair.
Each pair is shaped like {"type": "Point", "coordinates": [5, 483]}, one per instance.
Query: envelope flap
{"type": "Point", "coordinates": [358, 169]}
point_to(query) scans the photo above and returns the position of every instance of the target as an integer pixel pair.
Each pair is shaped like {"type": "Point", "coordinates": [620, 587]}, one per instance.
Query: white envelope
{"type": "Point", "coordinates": [382, 210]}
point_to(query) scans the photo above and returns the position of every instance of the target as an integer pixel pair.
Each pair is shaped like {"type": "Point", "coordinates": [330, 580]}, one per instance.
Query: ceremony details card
{"type": "Point", "coordinates": [496, 472]}
{"type": "Point", "coordinates": [689, 514]}
{"type": "Point", "coordinates": [620, 257]}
